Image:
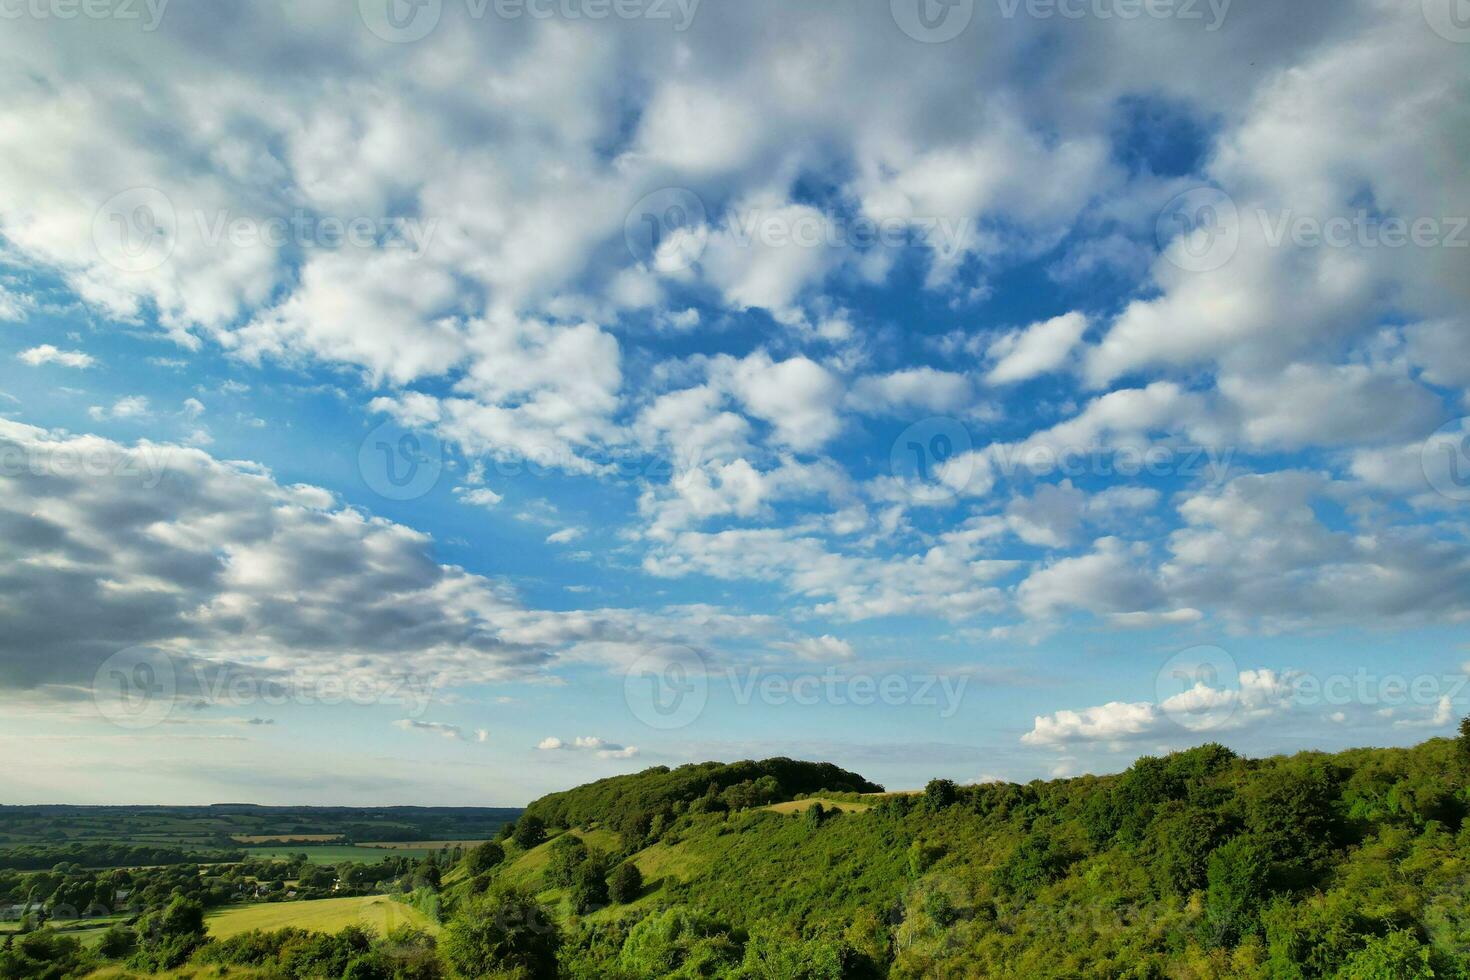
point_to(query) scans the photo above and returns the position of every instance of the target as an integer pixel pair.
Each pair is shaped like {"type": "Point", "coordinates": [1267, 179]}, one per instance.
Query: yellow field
{"type": "Point", "coordinates": [800, 806]}
{"type": "Point", "coordinates": [285, 838]}
{"type": "Point", "coordinates": [378, 912]}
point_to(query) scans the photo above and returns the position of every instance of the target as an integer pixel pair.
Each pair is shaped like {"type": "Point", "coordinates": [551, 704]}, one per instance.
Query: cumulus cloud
{"type": "Point", "coordinates": [1039, 348]}
{"type": "Point", "coordinates": [602, 748]}
{"type": "Point", "coordinates": [48, 354]}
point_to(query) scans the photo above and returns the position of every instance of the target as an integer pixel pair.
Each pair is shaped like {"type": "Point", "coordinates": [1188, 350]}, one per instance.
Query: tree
{"type": "Point", "coordinates": [1464, 741]}
{"type": "Point", "coordinates": [167, 937]}
{"type": "Point", "coordinates": [940, 794]}
{"type": "Point", "coordinates": [529, 832]}
{"type": "Point", "coordinates": [626, 883]}
{"type": "Point", "coordinates": [589, 885]}
{"type": "Point", "coordinates": [1236, 886]}
{"type": "Point", "coordinates": [504, 931]}
{"type": "Point", "coordinates": [567, 853]}
{"type": "Point", "coordinates": [483, 858]}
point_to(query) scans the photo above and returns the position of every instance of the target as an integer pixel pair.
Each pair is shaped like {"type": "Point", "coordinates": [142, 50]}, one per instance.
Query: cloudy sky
{"type": "Point", "coordinates": [448, 401]}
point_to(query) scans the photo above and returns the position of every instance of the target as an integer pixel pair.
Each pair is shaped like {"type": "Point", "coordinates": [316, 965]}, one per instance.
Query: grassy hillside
{"type": "Point", "coordinates": [1191, 866]}
{"type": "Point", "coordinates": [1200, 864]}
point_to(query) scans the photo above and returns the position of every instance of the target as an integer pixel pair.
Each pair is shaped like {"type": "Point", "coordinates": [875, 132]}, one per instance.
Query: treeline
{"type": "Point", "coordinates": [36, 857]}
{"type": "Point", "coordinates": [613, 802]}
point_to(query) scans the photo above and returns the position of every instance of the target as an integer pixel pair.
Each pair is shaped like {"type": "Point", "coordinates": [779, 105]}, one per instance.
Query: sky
{"type": "Point", "coordinates": [452, 401]}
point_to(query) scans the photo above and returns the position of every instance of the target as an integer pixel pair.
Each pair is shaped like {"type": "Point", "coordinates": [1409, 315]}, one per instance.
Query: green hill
{"type": "Point", "coordinates": [1197, 865]}
{"type": "Point", "coordinates": [712, 785]}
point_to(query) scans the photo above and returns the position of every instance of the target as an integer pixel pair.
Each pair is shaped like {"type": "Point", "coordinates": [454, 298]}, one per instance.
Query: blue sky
{"type": "Point", "coordinates": [396, 413]}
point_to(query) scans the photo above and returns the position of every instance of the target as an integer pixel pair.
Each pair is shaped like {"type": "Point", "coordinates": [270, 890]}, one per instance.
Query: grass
{"type": "Point", "coordinates": [331, 915]}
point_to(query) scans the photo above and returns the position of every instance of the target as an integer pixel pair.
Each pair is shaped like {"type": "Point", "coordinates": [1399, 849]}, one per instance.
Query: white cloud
{"type": "Point", "coordinates": [478, 497]}
{"type": "Point", "coordinates": [132, 407]}
{"type": "Point", "coordinates": [819, 648]}
{"type": "Point", "coordinates": [602, 748]}
{"type": "Point", "coordinates": [443, 730]}
{"type": "Point", "coordinates": [914, 388]}
{"type": "Point", "coordinates": [565, 535]}
{"type": "Point", "coordinates": [798, 397]}
{"type": "Point", "coordinates": [47, 354]}
{"type": "Point", "coordinates": [1038, 349]}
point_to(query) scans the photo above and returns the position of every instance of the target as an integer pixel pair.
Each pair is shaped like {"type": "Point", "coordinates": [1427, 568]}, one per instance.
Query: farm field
{"type": "Point", "coordinates": [285, 838]}
{"type": "Point", "coordinates": [413, 845]}
{"type": "Point", "coordinates": [378, 912]}
{"type": "Point", "coordinates": [801, 806]}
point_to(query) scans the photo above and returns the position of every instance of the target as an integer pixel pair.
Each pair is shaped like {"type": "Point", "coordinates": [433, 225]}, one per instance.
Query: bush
{"type": "Point", "coordinates": [529, 831]}
{"type": "Point", "coordinates": [626, 884]}
{"type": "Point", "coordinates": [501, 932]}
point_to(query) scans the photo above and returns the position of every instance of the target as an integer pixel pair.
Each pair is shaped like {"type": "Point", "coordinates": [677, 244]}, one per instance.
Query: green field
{"type": "Point", "coordinates": [377, 912]}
